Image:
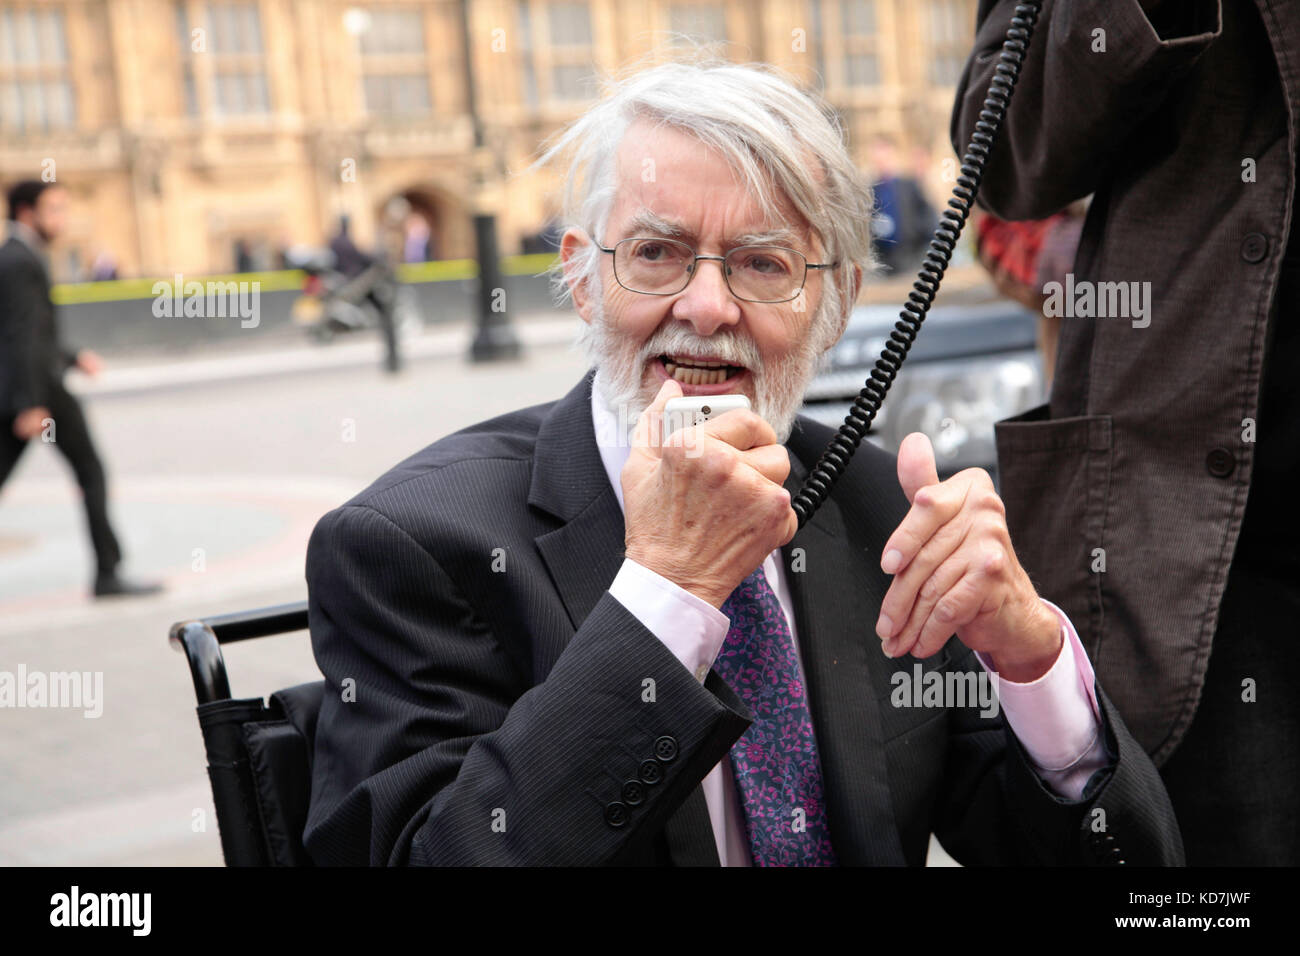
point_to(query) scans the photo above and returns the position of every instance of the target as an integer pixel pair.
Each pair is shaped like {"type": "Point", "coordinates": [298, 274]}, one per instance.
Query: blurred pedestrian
{"type": "Point", "coordinates": [372, 280]}
{"type": "Point", "coordinates": [348, 259]}
{"type": "Point", "coordinates": [416, 245]}
{"type": "Point", "coordinates": [243, 256]}
{"type": "Point", "coordinates": [104, 268]}
{"type": "Point", "coordinates": [33, 399]}
{"type": "Point", "coordinates": [904, 220]}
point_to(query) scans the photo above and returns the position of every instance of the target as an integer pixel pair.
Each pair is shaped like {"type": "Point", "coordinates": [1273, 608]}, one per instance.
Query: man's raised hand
{"type": "Point", "coordinates": [706, 505]}
{"type": "Point", "coordinates": [955, 572]}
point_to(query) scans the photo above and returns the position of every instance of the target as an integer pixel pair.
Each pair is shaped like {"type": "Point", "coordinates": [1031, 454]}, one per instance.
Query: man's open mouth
{"type": "Point", "coordinates": [696, 371]}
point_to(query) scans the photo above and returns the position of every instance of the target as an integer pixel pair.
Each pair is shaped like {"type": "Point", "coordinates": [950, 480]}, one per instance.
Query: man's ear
{"type": "Point", "coordinates": [572, 244]}
{"type": "Point", "coordinates": [842, 321]}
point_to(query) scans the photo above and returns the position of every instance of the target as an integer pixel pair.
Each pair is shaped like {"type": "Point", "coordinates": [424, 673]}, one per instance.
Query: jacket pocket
{"type": "Point", "coordinates": [1055, 481]}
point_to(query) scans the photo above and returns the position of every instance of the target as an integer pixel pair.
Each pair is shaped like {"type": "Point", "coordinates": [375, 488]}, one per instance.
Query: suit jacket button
{"type": "Point", "coordinates": [634, 793]}
{"type": "Point", "coordinates": [666, 749]}
{"type": "Point", "coordinates": [616, 814]}
{"type": "Point", "coordinates": [1220, 463]}
{"type": "Point", "coordinates": [1254, 247]}
{"type": "Point", "coordinates": [651, 771]}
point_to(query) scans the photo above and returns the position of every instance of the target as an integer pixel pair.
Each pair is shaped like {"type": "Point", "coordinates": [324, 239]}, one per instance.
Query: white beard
{"type": "Point", "coordinates": [620, 367]}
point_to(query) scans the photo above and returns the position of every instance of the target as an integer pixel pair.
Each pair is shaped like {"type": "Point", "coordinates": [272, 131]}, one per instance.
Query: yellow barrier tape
{"type": "Point", "coordinates": [447, 270]}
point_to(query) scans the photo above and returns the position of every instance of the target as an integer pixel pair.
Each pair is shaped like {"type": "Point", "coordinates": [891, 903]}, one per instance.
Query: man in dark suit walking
{"type": "Point", "coordinates": [565, 636]}
{"type": "Point", "coordinates": [33, 400]}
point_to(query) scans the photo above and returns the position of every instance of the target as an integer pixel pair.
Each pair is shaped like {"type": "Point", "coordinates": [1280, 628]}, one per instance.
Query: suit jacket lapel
{"type": "Point", "coordinates": [583, 556]}
{"type": "Point", "coordinates": [585, 552]}
{"type": "Point", "coordinates": [824, 571]}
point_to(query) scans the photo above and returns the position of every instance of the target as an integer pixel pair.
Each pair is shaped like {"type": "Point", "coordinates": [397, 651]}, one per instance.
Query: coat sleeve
{"type": "Point", "coordinates": [995, 810]}
{"type": "Point", "coordinates": [20, 341]}
{"type": "Point", "coordinates": [1075, 106]}
{"type": "Point", "coordinates": [434, 748]}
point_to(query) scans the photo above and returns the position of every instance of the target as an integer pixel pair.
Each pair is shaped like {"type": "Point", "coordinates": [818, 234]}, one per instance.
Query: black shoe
{"type": "Point", "coordinates": [110, 585]}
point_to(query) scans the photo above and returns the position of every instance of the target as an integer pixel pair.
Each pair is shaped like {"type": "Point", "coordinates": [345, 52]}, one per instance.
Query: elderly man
{"type": "Point", "coordinates": [564, 637]}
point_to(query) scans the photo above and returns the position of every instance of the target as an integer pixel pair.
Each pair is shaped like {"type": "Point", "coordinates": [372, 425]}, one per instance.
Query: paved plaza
{"type": "Point", "coordinates": [215, 488]}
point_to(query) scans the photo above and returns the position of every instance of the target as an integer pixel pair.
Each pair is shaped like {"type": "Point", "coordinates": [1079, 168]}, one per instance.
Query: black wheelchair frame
{"type": "Point", "coordinates": [259, 752]}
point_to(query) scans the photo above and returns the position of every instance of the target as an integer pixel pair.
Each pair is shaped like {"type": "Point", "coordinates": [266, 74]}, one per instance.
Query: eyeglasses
{"type": "Point", "coordinates": [753, 273]}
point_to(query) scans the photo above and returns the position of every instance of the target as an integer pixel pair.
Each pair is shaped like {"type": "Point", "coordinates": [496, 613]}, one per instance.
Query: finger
{"type": "Point", "coordinates": [791, 523]}
{"type": "Point", "coordinates": [739, 428]}
{"type": "Point", "coordinates": [932, 507]}
{"type": "Point", "coordinates": [916, 467]}
{"type": "Point", "coordinates": [770, 461]}
{"type": "Point", "coordinates": [965, 601]}
{"type": "Point", "coordinates": [649, 427]}
{"type": "Point", "coordinates": [916, 584]}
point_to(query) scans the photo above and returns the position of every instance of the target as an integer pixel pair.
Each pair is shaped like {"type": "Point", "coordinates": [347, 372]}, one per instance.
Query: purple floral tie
{"type": "Point", "coordinates": [775, 761]}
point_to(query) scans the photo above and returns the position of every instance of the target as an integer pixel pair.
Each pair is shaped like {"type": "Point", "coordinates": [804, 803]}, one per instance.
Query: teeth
{"type": "Point", "coordinates": [698, 372]}
{"type": "Point", "coordinates": [697, 376]}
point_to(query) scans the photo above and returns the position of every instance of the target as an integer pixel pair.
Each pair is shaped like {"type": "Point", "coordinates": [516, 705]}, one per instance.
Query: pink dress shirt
{"type": "Point", "coordinates": [1055, 717]}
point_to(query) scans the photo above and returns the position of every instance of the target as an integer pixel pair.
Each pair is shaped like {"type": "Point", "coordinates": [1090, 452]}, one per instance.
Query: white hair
{"type": "Point", "coordinates": [783, 141]}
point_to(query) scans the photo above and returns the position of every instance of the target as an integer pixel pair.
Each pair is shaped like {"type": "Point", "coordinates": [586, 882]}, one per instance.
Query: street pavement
{"type": "Point", "coordinates": [218, 467]}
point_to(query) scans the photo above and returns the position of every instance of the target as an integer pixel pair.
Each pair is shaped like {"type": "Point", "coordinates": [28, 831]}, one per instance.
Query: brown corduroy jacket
{"type": "Point", "coordinates": [1185, 132]}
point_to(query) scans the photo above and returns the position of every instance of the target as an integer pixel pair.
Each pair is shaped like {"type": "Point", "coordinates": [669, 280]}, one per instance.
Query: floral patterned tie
{"type": "Point", "coordinates": [777, 771]}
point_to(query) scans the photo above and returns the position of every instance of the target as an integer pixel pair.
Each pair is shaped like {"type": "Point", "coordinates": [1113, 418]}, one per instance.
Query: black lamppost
{"type": "Point", "coordinates": [494, 337]}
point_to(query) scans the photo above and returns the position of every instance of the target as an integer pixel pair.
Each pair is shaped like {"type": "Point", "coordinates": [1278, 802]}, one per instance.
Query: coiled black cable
{"type": "Point", "coordinates": [836, 457]}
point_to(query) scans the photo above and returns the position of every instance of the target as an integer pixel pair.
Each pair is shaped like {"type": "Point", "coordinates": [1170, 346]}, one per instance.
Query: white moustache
{"type": "Point", "coordinates": [720, 350]}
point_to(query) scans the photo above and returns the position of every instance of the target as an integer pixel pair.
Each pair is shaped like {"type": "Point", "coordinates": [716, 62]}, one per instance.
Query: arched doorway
{"type": "Point", "coordinates": [418, 225]}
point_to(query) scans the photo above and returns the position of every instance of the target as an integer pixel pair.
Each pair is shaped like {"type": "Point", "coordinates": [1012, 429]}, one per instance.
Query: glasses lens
{"type": "Point", "coordinates": [653, 266]}
{"type": "Point", "coordinates": [765, 273]}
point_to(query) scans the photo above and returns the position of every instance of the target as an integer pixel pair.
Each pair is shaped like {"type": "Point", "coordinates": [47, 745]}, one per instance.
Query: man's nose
{"type": "Point", "coordinates": [707, 302]}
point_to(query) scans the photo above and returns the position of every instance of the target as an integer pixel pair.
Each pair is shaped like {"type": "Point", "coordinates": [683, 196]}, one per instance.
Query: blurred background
{"type": "Point", "coordinates": [355, 174]}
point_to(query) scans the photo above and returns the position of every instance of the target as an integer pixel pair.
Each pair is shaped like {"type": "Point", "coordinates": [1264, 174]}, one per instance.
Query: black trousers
{"type": "Point", "coordinates": [385, 308]}
{"type": "Point", "coordinates": [72, 439]}
{"type": "Point", "coordinates": [1234, 780]}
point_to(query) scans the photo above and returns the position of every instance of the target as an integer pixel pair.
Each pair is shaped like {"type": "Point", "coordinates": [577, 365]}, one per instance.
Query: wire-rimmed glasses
{"type": "Point", "coordinates": [763, 273]}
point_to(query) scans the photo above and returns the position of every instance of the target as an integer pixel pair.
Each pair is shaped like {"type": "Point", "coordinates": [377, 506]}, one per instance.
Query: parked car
{"type": "Point", "coordinates": [971, 365]}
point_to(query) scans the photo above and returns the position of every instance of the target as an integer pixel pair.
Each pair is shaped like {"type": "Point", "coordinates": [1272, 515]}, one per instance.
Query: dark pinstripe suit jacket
{"type": "Point", "coordinates": [485, 703]}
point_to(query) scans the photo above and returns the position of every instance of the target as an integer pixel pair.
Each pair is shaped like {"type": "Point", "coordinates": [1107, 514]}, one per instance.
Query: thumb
{"type": "Point", "coordinates": [649, 427]}
{"type": "Point", "coordinates": [916, 467]}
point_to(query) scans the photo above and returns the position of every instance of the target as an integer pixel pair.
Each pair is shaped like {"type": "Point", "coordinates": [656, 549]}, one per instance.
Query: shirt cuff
{"type": "Point", "coordinates": [1056, 717]}
{"type": "Point", "coordinates": [689, 626]}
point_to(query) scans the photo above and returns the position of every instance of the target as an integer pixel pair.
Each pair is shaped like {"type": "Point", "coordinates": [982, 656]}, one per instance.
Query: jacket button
{"type": "Point", "coordinates": [651, 772]}
{"type": "Point", "coordinates": [666, 749]}
{"type": "Point", "coordinates": [1220, 463]}
{"type": "Point", "coordinates": [616, 814]}
{"type": "Point", "coordinates": [1254, 247]}
{"type": "Point", "coordinates": [634, 793]}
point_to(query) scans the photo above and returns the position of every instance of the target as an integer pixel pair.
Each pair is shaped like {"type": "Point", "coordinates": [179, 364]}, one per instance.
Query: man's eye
{"type": "Point", "coordinates": [651, 251]}
{"type": "Point", "coordinates": [765, 265]}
